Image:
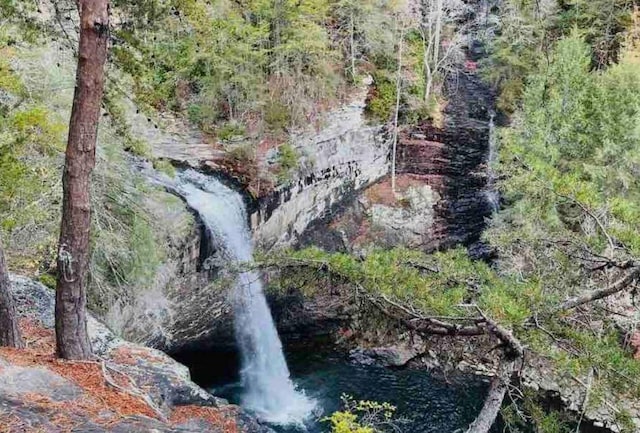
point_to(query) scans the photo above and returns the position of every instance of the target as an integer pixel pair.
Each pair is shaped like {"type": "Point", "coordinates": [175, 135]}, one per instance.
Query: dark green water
{"type": "Point", "coordinates": [428, 404]}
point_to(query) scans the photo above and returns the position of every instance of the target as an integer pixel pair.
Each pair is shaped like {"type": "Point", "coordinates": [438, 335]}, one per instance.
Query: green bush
{"type": "Point", "coordinates": [362, 417]}
{"type": "Point", "coordinates": [164, 166]}
{"type": "Point", "coordinates": [277, 115]}
{"type": "Point", "coordinates": [230, 130]}
{"type": "Point", "coordinates": [287, 162]}
{"type": "Point", "coordinates": [382, 100]}
{"type": "Point", "coordinates": [242, 153]}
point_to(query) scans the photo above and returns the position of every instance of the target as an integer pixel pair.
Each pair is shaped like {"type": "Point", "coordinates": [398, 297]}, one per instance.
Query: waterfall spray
{"type": "Point", "coordinates": [268, 389]}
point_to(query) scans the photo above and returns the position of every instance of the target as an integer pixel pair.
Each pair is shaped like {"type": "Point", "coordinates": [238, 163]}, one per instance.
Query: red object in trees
{"type": "Point", "coordinates": [471, 66]}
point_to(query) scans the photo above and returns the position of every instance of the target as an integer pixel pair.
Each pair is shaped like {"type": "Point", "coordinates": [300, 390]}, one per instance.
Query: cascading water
{"type": "Point", "coordinates": [268, 389]}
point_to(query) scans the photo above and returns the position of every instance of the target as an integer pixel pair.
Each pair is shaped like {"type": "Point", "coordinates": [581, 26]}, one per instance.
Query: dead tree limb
{"type": "Point", "coordinates": [493, 402]}
{"type": "Point", "coordinates": [624, 282]}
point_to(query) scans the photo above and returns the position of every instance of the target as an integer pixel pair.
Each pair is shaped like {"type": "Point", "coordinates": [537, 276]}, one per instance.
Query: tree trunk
{"type": "Point", "coordinates": [352, 44]}
{"type": "Point", "coordinates": [72, 339]}
{"type": "Point", "coordinates": [9, 331]}
{"type": "Point", "coordinates": [493, 402]}
{"type": "Point", "coordinates": [437, 30]}
{"type": "Point", "coordinates": [397, 110]}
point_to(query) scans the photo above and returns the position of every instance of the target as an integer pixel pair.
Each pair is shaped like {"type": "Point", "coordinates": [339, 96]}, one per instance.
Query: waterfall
{"type": "Point", "coordinates": [492, 195]}
{"type": "Point", "coordinates": [268, 389]}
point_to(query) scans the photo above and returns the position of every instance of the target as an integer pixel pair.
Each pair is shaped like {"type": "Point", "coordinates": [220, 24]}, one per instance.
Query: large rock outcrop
{"type": "Point", "coordinates": [453, 161]}
{"type": "Point", "coordinates": [342, 158]}
{"type": "Point", "coordinates": [443, 193]}
{"type": "Point", "coordinates": [128, 388]}
{"type": "Point", "coordinates": [336, 161]}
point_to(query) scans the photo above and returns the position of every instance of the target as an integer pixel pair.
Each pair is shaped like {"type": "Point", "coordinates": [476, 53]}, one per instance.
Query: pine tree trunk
{"type": "Point", "coordinates": [72, 339]}
{"type": "Point", "coordinates": [9, 331]}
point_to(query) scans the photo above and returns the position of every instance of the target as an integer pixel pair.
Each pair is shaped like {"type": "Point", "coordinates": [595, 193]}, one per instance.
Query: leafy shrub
{"type": "Point", "coordinates": [382, 99]}
{"type": "Point", "coordinates": [230, 130]}
{"type": "Point", "coordinates": [137, 147]}
{"type": "Point", "coordinates": [362, 417]}
{"type": "Point", "coordinates": [242, 153]}
{"type": "Point", "coordinates": [276, 114]}
{"type": "Point", "coordinates": [287, 161]}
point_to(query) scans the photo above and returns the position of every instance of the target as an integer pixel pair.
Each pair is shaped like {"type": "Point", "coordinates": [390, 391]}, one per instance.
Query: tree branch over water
{"type": "Point", "coordinates": [416, 320]}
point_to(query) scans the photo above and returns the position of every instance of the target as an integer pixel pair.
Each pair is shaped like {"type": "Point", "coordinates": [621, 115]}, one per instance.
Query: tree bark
{"type": "Point", "coordinates": [493, 402]}
{"type": "Point", "coordinates": [72, 339]}
{"type": "Point", "coordinates": [352, 44]}
{"type": "Point", "coordinates": [9, 331]}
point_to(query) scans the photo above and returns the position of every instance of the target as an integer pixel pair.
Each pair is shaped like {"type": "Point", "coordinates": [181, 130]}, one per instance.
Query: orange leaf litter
{"type": "Point", "coordinates": [103, 404]}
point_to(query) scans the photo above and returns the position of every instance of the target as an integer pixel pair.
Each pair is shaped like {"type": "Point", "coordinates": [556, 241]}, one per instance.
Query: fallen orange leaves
{"type": "Point", "coordinates": [101, 403]}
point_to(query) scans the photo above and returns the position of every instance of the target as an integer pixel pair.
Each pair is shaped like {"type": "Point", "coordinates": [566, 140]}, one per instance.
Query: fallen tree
{"type": "Point", "coordinates": [512, 350]}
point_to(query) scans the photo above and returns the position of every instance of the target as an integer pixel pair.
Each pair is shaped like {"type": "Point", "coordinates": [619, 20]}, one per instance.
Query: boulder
{"type": "Point", "coordinates": [391, 356]}
{"type": "Point", "coordinates": [127, 388]}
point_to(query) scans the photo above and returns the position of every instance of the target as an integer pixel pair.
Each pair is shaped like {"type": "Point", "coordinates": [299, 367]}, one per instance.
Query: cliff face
{"type": "Point", "coordinates": [443, 193]}
{"type": "Point", "coordinates": [452, 160]}
{"type": "Point", "coordinates": [442, 197]}
{"type": "Point", "coordinates": [336, 161]}
{"type": "Point", "coordinates": [340, 159]}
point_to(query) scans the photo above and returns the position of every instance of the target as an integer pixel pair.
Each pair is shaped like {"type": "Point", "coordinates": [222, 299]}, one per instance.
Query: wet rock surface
{"type": "Point", "coordinates": [442, 198]}
{"type": "Point", "coordinates": [452, 160]}
{"type": "Point", "coordinates": [393, 356]}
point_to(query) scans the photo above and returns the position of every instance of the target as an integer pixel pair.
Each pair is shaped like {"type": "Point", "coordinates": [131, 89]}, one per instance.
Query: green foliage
{"type": "Point", "coordinates": [276, 115]}
{"type": "Point", "coordinates": [568, 165]}
{"type": "Point", "coordinates": [347, 422]}
{"type": "Point", "coordinates": [48, 280]}
{"type": "Point", "coordinates": [165, 167]}
{"type": "Point", "coordinates": [287, 161]}
{"type": "Point", "coordinates": [133, 226]}
{"type": "Point", "coordinates": [242, 154]}
{"type": "Point", "coordinates": [9, 81]}
{"type": "Point", "coordinates": [265, 64]}
{"type": "Point", "coordinates": [230, 130]}
{"type": "Point", "coordinates": [546, 421]}
{"type": "Point", "coordinates": [393, 273]}
{"type": "Point", "coordinates": [219, 61]}
{"type": "Point", "coordinates": [138, 147]}
{"type": "Point", "coordinates": [362, 417]}
{"type": "Point", "coordinates": [601, 21]}
{"type": "Point", "coordinates": [514, 52]}
{"type": "Point", "coordinates": [31, 141]}
{"type": "Point", "coordinates": [576, 146]}
{"type": "Point", "coordinates": [382, 101]}
{"type": "Point", "coordinates": [119, 122]}
{"type": "Point", "coordinates": [528, 32]}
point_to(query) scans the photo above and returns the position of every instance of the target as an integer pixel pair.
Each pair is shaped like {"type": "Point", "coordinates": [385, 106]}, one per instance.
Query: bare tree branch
{"type": "Point", "coordinates": [624, 282]}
